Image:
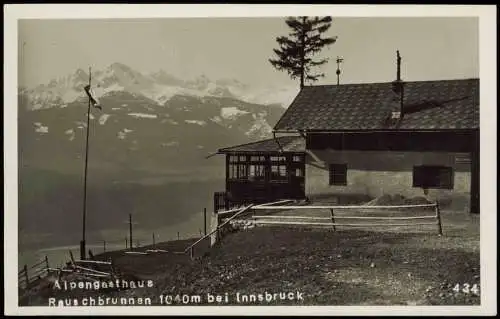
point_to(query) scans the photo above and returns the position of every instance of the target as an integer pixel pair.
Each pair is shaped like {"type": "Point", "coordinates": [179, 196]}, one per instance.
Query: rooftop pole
{"type": "Point", "coordinates": [82, 243]}
{"type": "Point", "coordinates": [339, 60]}
{"type": "Point", "coordinates": [398, 85]}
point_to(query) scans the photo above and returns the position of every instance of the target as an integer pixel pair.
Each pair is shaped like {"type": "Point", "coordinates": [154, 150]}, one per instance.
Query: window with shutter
{"type": "Point", "coordinates": [338, 174]}
{"type": "Point", "coordinates": [427, 176]}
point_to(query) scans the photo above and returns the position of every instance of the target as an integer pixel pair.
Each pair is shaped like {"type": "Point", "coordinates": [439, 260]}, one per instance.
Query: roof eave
{"type": "Point", "coordinates": [288, 131]}
{"type": "Point", "coordinates": [390, 130]}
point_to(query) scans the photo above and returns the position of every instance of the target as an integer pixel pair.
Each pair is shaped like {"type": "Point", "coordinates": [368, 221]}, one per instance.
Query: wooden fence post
{"type": "Point", "coordinates": [25, 269]}
{"type": "Point", "coordinates": [213, 226]}
{"type": "Point", "coordinates": [438, 216]}
{"type": "Point", "coordinates": [72, 259]}
{"type": "Point", "coordinates": [205, 220]}
{"type": "Point", "coordinates": [47, 264]}
{"type": "Point", "coordinates": [153, 240]}
{"type": "Point", "coordinates": [218, 234]}
{"type": "Point", "coordinates": [333, 220]}
{"type": "Point", "coordinates": [178, 236]}
{"type": "Point", "coordinates": [112, 267]}
{"type": "Point", "coordinates": [104, 245]}
{"type": "Point", "coordinates": [130, 231]}
{"type": "Point", "coordinates": [126, 243]}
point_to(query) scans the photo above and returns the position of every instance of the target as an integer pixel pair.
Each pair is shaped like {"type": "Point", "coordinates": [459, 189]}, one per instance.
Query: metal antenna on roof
{"type": "Point", "coordinates": [339, 60]}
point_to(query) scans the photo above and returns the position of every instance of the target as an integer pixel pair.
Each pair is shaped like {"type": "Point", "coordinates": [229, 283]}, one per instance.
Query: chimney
{"type": "Point", "coordinates": [398, 87]}
{"type": "Point", "coordinates": [339, 60]}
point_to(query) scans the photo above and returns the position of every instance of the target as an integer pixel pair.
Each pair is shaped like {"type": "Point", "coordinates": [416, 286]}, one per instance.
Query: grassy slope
{"type": "Point", "coordinates": [347, 267]}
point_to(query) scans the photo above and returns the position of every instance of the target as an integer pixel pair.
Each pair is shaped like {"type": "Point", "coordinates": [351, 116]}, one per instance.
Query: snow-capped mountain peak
{"type": "Point", "coordinates": [164, 78]}
{"type": "Point", "coordinates": [159, 86]}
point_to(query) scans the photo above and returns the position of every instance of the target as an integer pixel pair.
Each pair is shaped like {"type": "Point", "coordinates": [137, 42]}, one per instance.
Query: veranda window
{"type": "Point", "coordinates": [238, 167]}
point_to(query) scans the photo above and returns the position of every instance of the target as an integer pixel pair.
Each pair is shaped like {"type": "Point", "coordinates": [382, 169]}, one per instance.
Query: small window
{"type": "Point", "coordinates": [257, 159]}
{"type": "Point", "coordinates": [338, 174]}
{"type": "Point", "coordinates": [242, 171]}
{"type": "Point", "coordinates": [243, 158]}
{"type": "Point", "coordinates": [299, 172]}
{"type": "Point", "coordinates": [256, 171]}
{"type": "Point", "coordinates": [278, 172]}
{"type": "Point", "coordinates": [233, 173]}
{"type": "Point", "coordinates": [396, 115]}
{"type": "Point", "coordinates": [278, 159]}
{"type": "Point", "coordinates": [433, 177]}
{"type": "Point", "coordinates": [233, 159]}
{"type": "Point", "coordinates": [297, 158]}
{"type": "Point", "coordinates": [237, 170]}
{"type": "Point", "coordinates": [282, 171]}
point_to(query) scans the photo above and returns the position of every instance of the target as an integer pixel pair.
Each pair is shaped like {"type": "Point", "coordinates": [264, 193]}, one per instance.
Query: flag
{"type": "Point", "coordinates": [93, 98]}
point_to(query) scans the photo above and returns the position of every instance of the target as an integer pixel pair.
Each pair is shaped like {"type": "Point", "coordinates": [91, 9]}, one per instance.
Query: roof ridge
{"type": "Point", "coordinates": [372, 83]}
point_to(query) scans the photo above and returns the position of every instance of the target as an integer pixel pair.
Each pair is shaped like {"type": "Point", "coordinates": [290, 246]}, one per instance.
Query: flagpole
{"type": "Point", "coordinates": [82, 243]}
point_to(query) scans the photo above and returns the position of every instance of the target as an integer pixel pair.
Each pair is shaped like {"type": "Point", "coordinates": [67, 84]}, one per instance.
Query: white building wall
{"type": "Point", "coordinates": [375, 173]}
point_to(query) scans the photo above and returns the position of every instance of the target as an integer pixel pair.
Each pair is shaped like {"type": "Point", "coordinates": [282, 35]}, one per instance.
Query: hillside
{"type": "Point", "coordinates": [134, 132]}
{"type": "Point", "coordinates": [346, 267]}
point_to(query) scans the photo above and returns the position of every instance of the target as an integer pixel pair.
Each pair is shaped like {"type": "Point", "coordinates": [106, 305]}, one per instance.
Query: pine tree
{"type": "Point", "coordinates": [305, 40]}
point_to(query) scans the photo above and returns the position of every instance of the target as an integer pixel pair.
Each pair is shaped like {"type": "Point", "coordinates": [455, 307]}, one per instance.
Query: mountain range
{"type": "Point", "coordinates": [158, 86]}
{"type": "Point", "coordinates": [152, 122]}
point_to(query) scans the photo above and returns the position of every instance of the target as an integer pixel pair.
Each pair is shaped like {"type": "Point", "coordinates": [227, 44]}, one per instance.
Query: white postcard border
{"type": "Point", "coordinates": [487, 45]}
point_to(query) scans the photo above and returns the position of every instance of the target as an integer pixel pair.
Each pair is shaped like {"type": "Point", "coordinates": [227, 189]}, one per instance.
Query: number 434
{"type": "Point", "coordinates": [467, 288]}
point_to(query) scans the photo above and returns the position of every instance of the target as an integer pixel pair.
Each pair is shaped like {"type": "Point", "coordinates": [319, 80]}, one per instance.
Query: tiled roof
{"type": "Point", "coordinates": [428, 105]}
{"type": "Point", "coordinates": [287, 143]}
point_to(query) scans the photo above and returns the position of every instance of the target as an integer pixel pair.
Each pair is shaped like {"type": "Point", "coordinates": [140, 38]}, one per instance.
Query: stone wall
{"type": "Point", "coordinates": [374, 173]}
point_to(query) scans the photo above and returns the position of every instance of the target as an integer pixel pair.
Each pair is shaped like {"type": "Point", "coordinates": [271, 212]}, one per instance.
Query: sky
{"type": "Point", "coordinates": [431, 48]}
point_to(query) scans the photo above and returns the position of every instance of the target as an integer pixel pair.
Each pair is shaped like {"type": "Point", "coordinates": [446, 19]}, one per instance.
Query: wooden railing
{"type": "Point", "coordinates": [333, 219]}
{"type": "Point", "coordinates": [216, 229]}
{"type": "Point", "coordinates": [28, 275]}
{"type": "Point", "coordinates": [88, 269]}
{"type": "Point", "coordinates": [236, 212]}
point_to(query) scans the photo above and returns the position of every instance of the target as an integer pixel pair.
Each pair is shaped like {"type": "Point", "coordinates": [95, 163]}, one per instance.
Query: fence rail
{"type": "Point", "coordinates": [311, 220]}
{"type": "Point", "coordinates": [27, 275]}
{"type": "Point", "coordinates": [88, 268]}
{"type": "Point", "coordinates": [333, 219]}
{"type": "Point", "coordinates": [263, 207]}
{"type": "Point", "coordinates": [337, 224]}
{"type": "Point", "coordinates": [340, 217]}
